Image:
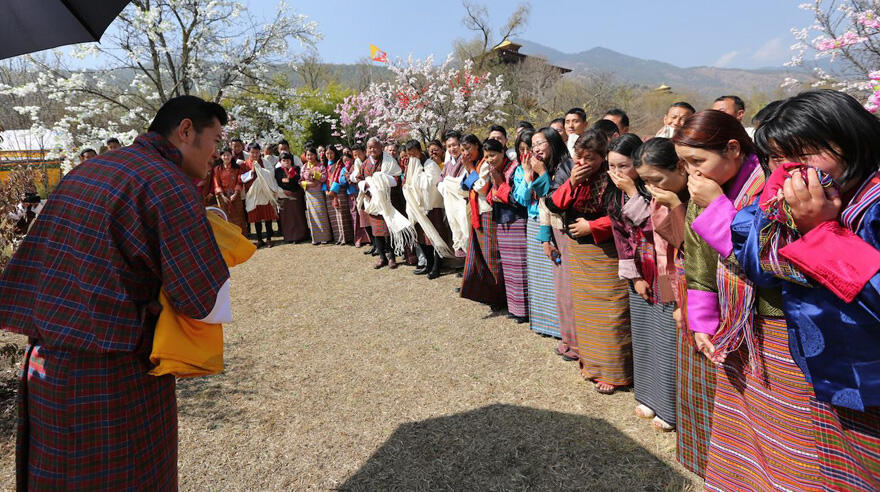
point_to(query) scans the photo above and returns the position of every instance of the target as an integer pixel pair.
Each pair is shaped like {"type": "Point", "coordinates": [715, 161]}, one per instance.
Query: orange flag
{"type": "Point", "coordinates": [378, 55]}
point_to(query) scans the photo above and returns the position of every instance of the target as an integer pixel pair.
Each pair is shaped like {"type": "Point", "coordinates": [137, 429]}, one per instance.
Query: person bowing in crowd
{"type": "Point", "coordinates": [292, 206]}
{"type": "Point", "coordinates": [84, 288]}
{"type": "Point", "coordinates": [601, 300]}
{"type": "Point", "coordinates": [262, 199]}
{"type": "Point", "coordinates": [483, 280]}
{"type": "Point", "coordinates": [651, 296]}
{"type": "Point", "coordinates": [228, 190]}
{"type": "Point", "coordinates": [424, 207]}
{"type": "Point", "coordinates": [312, 177]}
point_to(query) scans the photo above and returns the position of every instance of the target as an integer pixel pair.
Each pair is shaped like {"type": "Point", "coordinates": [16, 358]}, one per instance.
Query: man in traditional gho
{"type": "Point", "coordinates": [424, 208]}
{"type": "Point", "coordinates": [84, 289]}
{"type": "Point", "coordinates": [499, 133]}
{"type": "Point", "coordinates": [382, 198]}
{"type": "Point", "coordinates": [575, 125]}
{"type": "Point", "coordinates": [454, 197]}
{"type": "Point", "coordinates": [237, 147]}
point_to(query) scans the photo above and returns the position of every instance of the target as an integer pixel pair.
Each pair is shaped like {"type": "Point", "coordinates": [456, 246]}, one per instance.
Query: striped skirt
{"type": "Point", "coordinates": [319, 220]}
{"type": "Point", "coordinates": [848, 442]}
{"type": "Point", "coordinates": [542, 296]}
{"type": "Point", "coordinates": [483, 280]}
{"type": "Point", "coordinates": [696, 389]}
{"type": "Point", "coordinates": [762, 429]}
{"type": "Point", "coordinates": [564, 302]}
{"type": "Point", "coordinates": [292, 216]}
{"type": "Point", "coordinates": [262, 213]}
{"type": "Point", "coordinates": [358, 225]}
{"type": "Point", "coordinates": [654, 353]}
{"type": "Point", "coordinates": [601, 314]}
{"type": "Point", "coordinates": [235, 214]}
{"type": "Point", "coordinates": [512, 247]}
{"type": "Point", "coordinates": [340, 219]}
{"type": "Point", "coordinates": [90, 421]}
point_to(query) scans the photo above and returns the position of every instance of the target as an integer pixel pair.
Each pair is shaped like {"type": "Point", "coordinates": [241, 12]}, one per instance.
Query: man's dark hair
{"type": "Point", "coordinates": [412, 144]}
{"type": "Point", "coordinates": [358, 146]}
{"type": "Point", "coordinates": [561, 121]}
{"type": "Point", "coordinates": [579, 112]}
{"type": "Point", "coordinates": [682, 104]}
{"type": "Point", "coordinates": [283, 142]}
{"type": "Point", "coordinates": [737, 102]}
{"type": "Point", "coordinates": [624, 119]}
{"type": "Point", "coordinates": [498, 128]}
{"type": "Point", "coordinates": [608, 127]}
{"type": "Point", "coordinates": [113, 140]}
{"type": "Point", "coordinates": [202, 114]}
{"type": "Point", "coordinates": [236, 139]}
{"type": "Point", "coordinates": [525, 125]}
{"type": "Point", "coordinates": [452, 134]}
{"type": "Point", "coordinates": [85, 151]}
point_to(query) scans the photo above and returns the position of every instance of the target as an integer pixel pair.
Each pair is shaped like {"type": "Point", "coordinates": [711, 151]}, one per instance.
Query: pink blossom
{"type": "Point", "coordinates": [869, 19]}
{"type": "Point", "coordinates": [849, 38]}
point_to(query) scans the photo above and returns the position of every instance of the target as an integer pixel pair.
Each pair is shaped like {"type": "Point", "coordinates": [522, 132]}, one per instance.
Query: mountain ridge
{"type": "Point", "coordinates": [653, 73]}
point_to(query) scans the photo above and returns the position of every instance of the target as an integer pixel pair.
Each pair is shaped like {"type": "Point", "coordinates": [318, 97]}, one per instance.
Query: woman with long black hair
{"type": "Point", "coordinates": [651, 294]}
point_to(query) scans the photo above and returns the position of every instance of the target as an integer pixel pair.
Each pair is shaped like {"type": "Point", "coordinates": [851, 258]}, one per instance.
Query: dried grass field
{"type": "Point", "coordinates": [339, 376]}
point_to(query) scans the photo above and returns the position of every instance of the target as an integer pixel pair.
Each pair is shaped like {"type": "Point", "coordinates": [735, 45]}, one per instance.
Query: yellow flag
{"type": "Point", "coordinates": [378, 55]}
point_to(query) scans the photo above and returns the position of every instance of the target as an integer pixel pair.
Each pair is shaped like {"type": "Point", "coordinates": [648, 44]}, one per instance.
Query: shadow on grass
{"type": "Point", "coordinates": [506, 447]}
{"type": "Point", "coordinates": [207, 397]}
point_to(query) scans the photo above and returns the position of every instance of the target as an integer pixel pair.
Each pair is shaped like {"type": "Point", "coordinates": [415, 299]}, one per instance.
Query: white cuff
{"type": "Point", "coordinates": [222, 312]}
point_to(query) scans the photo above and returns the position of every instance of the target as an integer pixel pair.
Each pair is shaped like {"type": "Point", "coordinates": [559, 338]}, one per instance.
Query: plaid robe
{"type": "Point", "coordinates": [83, 287]}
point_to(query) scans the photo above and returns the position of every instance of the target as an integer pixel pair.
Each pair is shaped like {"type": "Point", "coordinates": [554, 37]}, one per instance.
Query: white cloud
{"type": "Point", "coordinates": [773, 51]}
{"type": "Point", "coordinates": [725, 59]}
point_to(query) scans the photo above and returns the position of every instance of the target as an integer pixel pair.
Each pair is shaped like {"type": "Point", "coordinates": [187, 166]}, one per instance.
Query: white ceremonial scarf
{"type": "Point", "coordinates": [265, 189]}
{"type": "Point", "coordinates": [457, 211]}
{"type": "Point", "coordinates": [378, 202]}
{"type": "Point", "coordinates": [416, 203]}
{"type": "Point", "coordinates": [666, 132]}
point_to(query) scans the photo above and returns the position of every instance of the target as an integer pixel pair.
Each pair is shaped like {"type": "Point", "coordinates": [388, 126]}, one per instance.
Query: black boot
{"type": "Point", "coordinates": [269, 232]}
{"type": "Point", "coordinates": [428, 252]}
{"type": "Point", "coordinates": [379, 242]}
{"type": "Point", "coordinates": [435, 267]}
{"type": "Point", "coordinates": [259, 228]}
{"type": "Point", "coordinates": [372, 250]}
{"type": "Point", "coordinates": [389, 253]}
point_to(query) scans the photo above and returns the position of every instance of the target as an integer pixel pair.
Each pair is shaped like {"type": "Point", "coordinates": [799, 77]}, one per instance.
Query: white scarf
{"type": "Point", "coordinates": [456, 211]}
{"type": "Point", "coordinates": [264, 191]}
{"type": "Point", "coordinates": [415, 208]}
{"type": "Point", "coordinates": [403, 233]}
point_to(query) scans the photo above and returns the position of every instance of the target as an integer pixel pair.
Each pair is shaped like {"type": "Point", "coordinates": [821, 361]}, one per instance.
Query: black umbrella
{"type": "Point", "coordinates": [33, 25]}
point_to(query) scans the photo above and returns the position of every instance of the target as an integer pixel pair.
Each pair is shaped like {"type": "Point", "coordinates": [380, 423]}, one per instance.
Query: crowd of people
{"type": "Point", "coordinates": [728, 274]}
{"type": "Point", "coordinates": [699, 266]}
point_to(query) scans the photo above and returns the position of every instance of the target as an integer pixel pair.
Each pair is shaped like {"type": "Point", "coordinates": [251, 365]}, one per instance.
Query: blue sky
{"type": "Point", "coordinates": [742, 34]}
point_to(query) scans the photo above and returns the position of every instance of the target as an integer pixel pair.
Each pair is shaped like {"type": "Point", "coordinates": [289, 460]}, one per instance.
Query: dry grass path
{"type": "Point", "coordinates": [342, 377]}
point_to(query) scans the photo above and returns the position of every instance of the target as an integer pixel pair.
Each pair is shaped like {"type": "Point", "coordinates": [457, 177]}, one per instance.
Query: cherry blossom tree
{"type": "Point", "coordinates": [357, 118]}
{"type": "Point", "coordinates": [424, 100]}
{"type": "Point", "coordinates": [160, 49]}
{"type": "Point", "coordinates": [845, 33]}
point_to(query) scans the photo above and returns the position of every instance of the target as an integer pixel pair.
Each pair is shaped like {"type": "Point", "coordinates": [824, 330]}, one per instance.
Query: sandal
{"type": "Point", "coordinates": [605, 388]}
{"type": "Point", "coordinates": [644, 412]}
{"type": "Point", "coordinates": [660, 425]}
